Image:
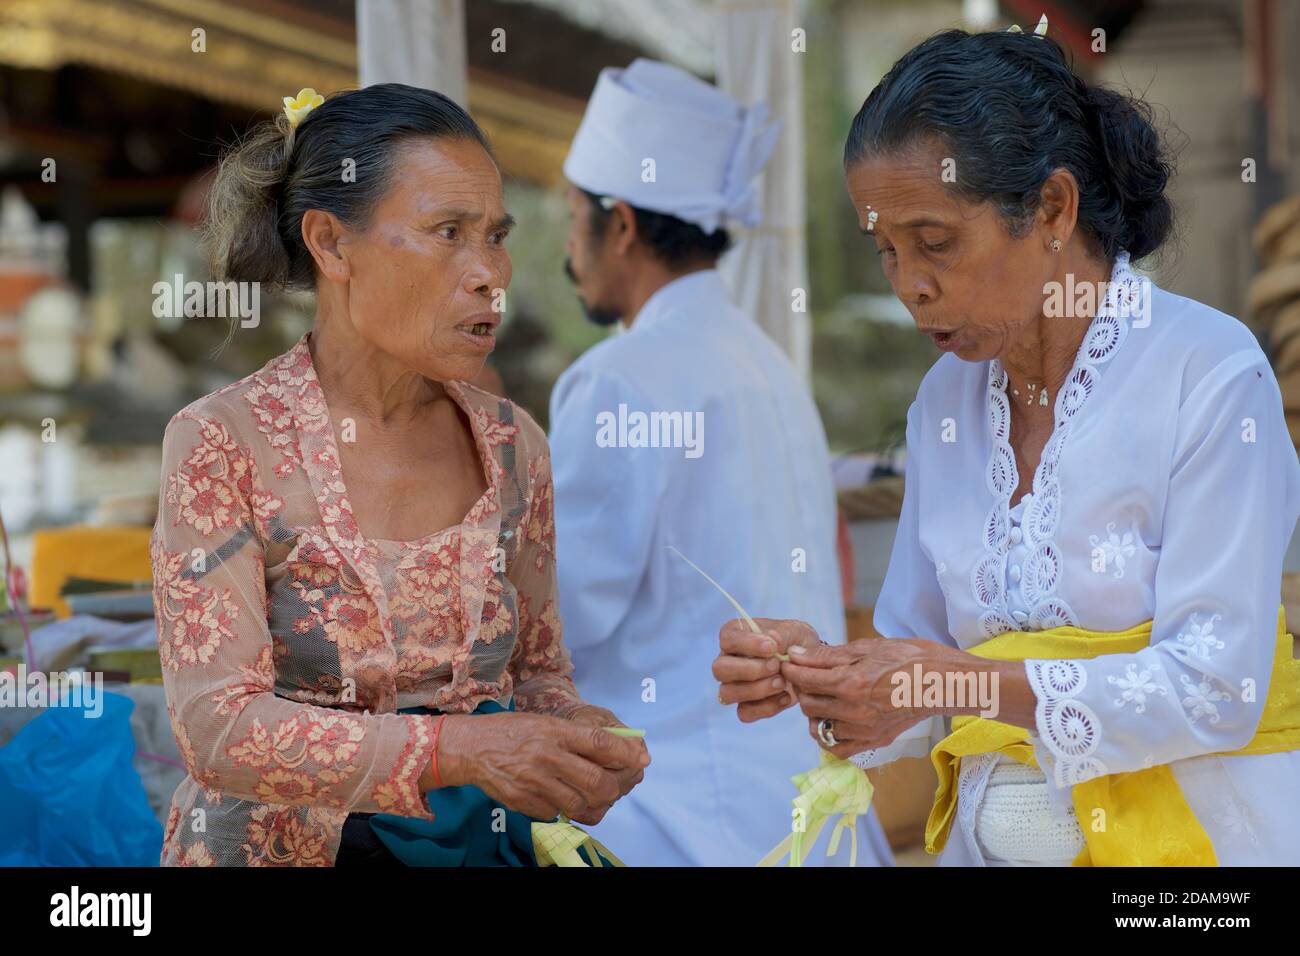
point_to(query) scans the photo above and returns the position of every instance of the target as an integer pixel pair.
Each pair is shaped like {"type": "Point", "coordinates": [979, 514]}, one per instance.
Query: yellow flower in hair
{"type": "Point", "coordinates": [296, 107]}
{"type": "Point", "coordinates": [1040, 30]}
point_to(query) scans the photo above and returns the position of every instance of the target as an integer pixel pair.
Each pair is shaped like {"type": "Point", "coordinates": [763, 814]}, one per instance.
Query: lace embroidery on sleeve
{"type": "Point", "coordinates": [1199, 639]}
{"type": "Point", "coordinates": [863, 760]}
{"type": "Point", "coordinates": [1193, 646]}
{"type": "Point", "coordinates": [1201, 699]}
{"type": "Point", "coordinates": [1136, 685]}
{"type": "Point", "coordinates": [1071, 730]}
{"type": "Point", "coordinates": [1068, 727]}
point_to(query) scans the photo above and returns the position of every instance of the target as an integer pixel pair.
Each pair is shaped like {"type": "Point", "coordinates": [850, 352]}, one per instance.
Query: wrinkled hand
{"type": "Point", "coordinates": [589, 715]}
{"type": "Point", "coordinates": [851, 684]}
{"type": "Point", "coordinates": [747, 668]}
{"type": "Point", "coordinates": [539, 765]}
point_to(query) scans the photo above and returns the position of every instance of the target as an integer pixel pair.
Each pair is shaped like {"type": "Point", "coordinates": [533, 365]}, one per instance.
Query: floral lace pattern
{"type": "Point", "coordinates": [1041, 574]}
{"type": "Point", "coordinates": [1136, 686]}
{"type": "Point", "coordinates": [1199, 639]}
{"type": "Point", "coordinates": [1072, 731]}
{"type": "Point", "coordinates": [289, 640]}
{"type": "Point", "coordinates": [1239, 820]}
{"type": "Point", "coordinates": [1113, 550]}
{"type": "Point", "coordinates": [1202, 699]}
{"type": "Point", "coordinates": [1070, 728]}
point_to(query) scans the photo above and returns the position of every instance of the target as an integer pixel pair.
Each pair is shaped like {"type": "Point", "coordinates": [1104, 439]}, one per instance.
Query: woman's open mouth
{"type": "Point", "coordinates": [944, 340]}
{"type": "Point", "coordinates": [481, 335]}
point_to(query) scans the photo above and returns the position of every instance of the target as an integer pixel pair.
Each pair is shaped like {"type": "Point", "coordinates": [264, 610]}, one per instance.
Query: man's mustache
{"type": "Point", "coordinates": [595, 314]}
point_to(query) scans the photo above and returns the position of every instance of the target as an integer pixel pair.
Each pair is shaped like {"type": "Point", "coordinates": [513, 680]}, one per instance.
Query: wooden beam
{"type": "Point", "coordinates": [252, 59]}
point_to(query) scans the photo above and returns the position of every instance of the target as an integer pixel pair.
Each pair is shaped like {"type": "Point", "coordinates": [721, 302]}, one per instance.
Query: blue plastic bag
{"type": "Point", "coordinates": [69, 795]}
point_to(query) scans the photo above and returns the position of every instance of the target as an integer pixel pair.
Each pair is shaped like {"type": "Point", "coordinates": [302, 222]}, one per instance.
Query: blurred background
{"type": "Point", "coordinates": [112, 113]}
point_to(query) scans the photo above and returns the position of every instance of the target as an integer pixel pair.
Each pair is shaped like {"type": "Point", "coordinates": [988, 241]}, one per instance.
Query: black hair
{"type": "Point", "coordinates": [267, 182]}
{"type": "Point", "coordinates": [1009, 109]}
{"type": "Point", "coordinates": [674, 241]}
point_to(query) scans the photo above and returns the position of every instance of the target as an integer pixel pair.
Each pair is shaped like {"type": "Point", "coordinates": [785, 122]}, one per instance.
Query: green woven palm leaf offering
{"type": "Point", "coordinates": [560, 843]}
{"type": "Point", "coordinates": [834, 787]}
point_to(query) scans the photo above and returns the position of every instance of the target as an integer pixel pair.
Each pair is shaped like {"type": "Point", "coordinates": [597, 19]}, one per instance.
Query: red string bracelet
{"type": "Point", "coordinates": [437, 729]}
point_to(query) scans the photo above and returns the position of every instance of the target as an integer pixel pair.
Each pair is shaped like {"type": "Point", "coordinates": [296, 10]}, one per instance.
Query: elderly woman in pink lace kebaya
{"type": "Point", "coordinates": [354, 558]}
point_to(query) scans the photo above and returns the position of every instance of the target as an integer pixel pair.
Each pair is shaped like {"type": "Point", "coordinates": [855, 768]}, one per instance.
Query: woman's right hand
{"type": "Point", "coordinates": [538, 765]}
{"type": "Point", "coordinates": [748, 671]}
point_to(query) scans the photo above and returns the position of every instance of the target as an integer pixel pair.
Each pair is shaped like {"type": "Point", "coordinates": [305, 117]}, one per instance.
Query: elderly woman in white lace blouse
{"type": "Point", "coordinates": [1100, 491]}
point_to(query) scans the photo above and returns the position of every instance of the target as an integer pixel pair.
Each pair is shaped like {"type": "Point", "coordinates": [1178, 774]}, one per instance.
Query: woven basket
{"type": "Point", "coordinates": [876, 500]}
{"type": "Point", "coordinates": [1275, 299]}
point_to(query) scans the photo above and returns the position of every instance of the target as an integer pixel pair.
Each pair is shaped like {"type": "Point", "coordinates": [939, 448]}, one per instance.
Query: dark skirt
{"type": "Point", "coordinates": [359, 846]}
{"type": "Point", "coordinates": [468, 828]}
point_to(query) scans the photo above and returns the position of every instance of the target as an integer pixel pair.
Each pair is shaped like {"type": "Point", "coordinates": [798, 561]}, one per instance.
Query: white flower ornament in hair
{"type": "Point", "coordinates": [296, 107]}
{"type": "Point", "coordinates": [1039, 31]}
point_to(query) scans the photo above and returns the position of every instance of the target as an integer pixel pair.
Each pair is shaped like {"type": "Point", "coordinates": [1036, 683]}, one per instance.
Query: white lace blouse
{"type": "Point", "coordinates": [1168, 491]}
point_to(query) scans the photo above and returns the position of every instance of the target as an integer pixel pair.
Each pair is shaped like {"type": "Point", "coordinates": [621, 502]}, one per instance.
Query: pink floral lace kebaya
{"type": "Point", "coordinates": [289, 640]}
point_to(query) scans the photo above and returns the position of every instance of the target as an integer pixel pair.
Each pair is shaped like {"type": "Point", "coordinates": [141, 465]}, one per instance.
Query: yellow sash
{"type": "Point", "coordinates": [1128, 819]}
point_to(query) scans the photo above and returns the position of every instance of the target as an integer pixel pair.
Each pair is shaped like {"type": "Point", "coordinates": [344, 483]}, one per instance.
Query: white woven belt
{"type": "Point", "coordinates": [1016, 823]}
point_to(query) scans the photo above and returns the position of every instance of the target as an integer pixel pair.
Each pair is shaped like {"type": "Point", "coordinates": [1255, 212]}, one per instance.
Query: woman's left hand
{"type": "Point", "coordinates": [590, 715]}
{"type": "Point", "coordinates": [852, 686]}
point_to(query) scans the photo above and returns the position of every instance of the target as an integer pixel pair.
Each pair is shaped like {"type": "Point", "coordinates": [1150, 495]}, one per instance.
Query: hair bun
{"type": "Point", "coordinates": [242, 228]}
{"type": "Point", "coordinates": [1138, 169]}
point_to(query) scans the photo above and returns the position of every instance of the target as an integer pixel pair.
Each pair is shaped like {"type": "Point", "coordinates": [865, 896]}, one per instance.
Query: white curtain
{"type": "Point", "coordinates": [753, 42]}
{"type": "Point", "coordinates": [418, 42]}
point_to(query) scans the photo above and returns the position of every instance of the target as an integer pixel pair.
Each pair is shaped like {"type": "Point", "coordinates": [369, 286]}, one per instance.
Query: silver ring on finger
{"type": "Point", "coordinates": [826, 733]}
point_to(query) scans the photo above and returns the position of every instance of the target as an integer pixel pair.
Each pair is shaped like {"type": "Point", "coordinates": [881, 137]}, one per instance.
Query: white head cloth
{"type": "Point", "coordinates": [707, 148]}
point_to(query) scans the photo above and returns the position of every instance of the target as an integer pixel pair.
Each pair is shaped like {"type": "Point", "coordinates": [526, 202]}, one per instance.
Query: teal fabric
{"type": "Point", "coordinates": [461, 832]}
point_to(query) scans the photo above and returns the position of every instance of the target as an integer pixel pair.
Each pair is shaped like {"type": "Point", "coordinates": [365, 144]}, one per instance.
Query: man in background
{"type": "Point", "coordinates": [692, 430]}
